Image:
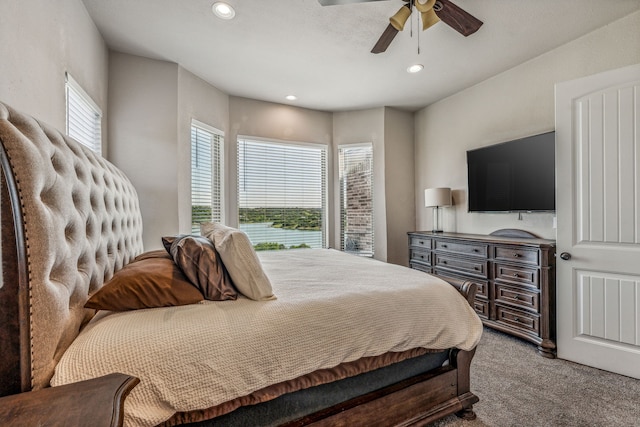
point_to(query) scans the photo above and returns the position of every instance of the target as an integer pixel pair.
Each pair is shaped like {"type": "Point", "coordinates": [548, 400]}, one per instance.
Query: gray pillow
{"type": "Point", "coordinates": [200, 263]}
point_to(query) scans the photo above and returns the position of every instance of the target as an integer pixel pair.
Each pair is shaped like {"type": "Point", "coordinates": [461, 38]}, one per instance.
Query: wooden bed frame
{"type": "Point", "coordinates": [416, 401]}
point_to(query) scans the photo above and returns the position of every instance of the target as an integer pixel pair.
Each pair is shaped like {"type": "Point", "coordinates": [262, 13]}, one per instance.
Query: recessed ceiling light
{"type": "Point", "coordinates": [291, 97]}
{"type": "Point", "coordinates": [415, 68]}
{"type": "Point", "coordinates": [223, 10]}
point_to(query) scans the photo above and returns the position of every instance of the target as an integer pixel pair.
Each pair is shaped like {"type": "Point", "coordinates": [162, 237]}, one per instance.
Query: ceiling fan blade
{"type": "Point", "coordinates": [337, 2]}
{"type": "Point", "coordinates": [385, 39]}
{"type": "Point", "coordinates": [457, 18]}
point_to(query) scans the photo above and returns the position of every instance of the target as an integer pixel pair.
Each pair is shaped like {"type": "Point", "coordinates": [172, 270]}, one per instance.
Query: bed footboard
{"type": "Point", "coordinates": [416, 401]}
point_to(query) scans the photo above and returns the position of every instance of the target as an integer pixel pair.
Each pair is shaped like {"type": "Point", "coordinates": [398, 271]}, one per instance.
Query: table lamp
{"type": "Point", "coordinates": [436, 198]}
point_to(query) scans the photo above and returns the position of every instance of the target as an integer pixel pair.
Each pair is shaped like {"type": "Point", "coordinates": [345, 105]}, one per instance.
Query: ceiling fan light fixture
{"type": "Point", "coordinates": [223, 10]}
{"type": "Point", "coordinates": [400, 18]}
{"type": "Point", "coordinates": [429, 18]}
{"type": "Point", "coordinates": [415, 68]}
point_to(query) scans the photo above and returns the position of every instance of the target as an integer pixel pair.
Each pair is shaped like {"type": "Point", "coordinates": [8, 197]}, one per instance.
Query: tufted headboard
{"type": "Point", "coordinates": [69, 220]}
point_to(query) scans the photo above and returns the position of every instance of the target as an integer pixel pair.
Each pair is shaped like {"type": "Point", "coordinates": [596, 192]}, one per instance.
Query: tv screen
{"type": "Point", "coordinates": [515, 176]}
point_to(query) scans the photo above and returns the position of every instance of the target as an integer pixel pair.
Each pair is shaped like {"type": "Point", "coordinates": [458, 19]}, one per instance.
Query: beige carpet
{"type": "Point", "coordinates": [517, 387]}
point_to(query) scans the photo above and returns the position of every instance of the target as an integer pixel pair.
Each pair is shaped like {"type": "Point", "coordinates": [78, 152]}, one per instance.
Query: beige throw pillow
{"type": "Point", "coordinates": [240, 260]}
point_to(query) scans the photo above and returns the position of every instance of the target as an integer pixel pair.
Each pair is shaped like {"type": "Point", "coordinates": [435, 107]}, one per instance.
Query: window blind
{"type": "Point", "coordinates": [282, 194]}
{"type": "Point", "coordinates": [84, 118]}
{"type": "Point", "coordinates": [356, 198]}
{"type": "Point", "coordinates": [206, 175]}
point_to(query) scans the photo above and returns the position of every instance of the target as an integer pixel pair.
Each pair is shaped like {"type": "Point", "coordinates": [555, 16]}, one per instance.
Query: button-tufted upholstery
{"type": "Point", "coordinates": [81, 222]}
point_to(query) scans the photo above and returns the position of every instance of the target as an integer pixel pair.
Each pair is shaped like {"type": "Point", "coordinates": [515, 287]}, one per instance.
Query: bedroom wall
{"type": "Point", "coordinates": [513, 104]}
{"type": "Point", "coordinates": [152, 103]}
{"type": "Point", "coordinates": [143, 127]}
{"type": "Point", "coordinates": [400, 184]}
{"type": "Point", "coordinates": [41, 40]}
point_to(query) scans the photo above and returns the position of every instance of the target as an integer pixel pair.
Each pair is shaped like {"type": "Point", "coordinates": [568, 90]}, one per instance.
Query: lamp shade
{"type": "Point", "coordinates": [437, 197]}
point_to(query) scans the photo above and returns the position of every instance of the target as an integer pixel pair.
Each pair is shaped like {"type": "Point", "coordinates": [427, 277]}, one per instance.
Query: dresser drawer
{"type": "Point", "coordinates": [463, 248]}
{"type": "Point", "coordinates": [482, 308]}
{"type": "Point", "coordinates": [528, 322]}
{"type": "Point", "coordinates": [519, 255]}
{"type": "Point", "coordinates": [420, 242]}
{"type": "Point", "coordinates": [422, 267]}
{"type": "Point", "coordinates": [517, 275]}
{"type": "Point", "coordinates": [483, 286]}
{"type": "Point", "coordinates": [473, 267]}
{"type": "Point", "coordinates": [517, 296]}
{"type": "Point", "coordinates": [420, 256]}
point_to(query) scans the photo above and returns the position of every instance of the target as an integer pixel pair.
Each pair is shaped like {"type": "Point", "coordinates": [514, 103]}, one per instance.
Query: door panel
{"type": "Point", "coordinates": [598, 211]}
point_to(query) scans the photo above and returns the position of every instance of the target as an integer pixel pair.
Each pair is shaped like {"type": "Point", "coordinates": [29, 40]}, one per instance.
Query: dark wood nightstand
{"type": "Point", "coordinates": [96, 402]}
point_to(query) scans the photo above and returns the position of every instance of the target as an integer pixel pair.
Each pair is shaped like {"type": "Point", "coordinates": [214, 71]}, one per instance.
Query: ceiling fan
{"type": "Point", "coordinates": [431, 11]}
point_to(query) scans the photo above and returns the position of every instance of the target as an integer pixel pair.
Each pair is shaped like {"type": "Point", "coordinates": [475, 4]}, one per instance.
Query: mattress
{"type": "Point", "coordinates": [331, 308]}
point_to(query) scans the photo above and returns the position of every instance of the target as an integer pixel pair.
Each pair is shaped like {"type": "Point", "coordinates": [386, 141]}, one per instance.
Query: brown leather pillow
{"type": "Point", "coordinates": [158, 253]}
{"type": "Point", "coordinates": [147, 283]}
{"type": "Point", "coordinates": [201, 264]}
{"type": "Point", "coordinates": [167, 241]}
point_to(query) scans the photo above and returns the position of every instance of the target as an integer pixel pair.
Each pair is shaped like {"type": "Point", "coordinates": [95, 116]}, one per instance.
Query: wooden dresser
{"type": "Point", "coordinates": [515, 277]}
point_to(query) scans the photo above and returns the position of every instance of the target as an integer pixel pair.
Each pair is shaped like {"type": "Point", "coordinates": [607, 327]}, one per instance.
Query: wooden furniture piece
{"type": "Point", "coordinates": [515, 278]}
{"type": "Point", "coordinates": [69, 220]}
{"type": "Point", "coordinates": [99, 402]}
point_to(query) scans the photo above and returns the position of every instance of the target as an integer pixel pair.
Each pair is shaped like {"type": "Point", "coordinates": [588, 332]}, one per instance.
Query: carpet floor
{"type": "Point", "coordinates": [517, 387]}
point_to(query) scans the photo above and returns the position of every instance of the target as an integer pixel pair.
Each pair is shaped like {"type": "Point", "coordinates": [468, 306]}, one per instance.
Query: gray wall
{"type": "Point", "coordinates": [41, 40]}
{"type": "Point", "coordinates": [514, 104]}
{"type": "Point", "coordinates": [151, 105]}
{"type": "Point", "coordinates": [143, 128]}
{"type": "Point", "coordinates": [399, 183]}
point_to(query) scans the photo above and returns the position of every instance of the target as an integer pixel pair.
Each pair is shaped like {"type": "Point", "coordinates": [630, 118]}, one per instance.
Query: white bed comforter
{"type": "Point", "coordinates": [331, 308]}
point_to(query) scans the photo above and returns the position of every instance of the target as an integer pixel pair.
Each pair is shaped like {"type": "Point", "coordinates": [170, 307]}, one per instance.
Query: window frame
{"type": "Point", "coordinates": [342, 195]}
{"type": "Point", "coordinates": [221, 170]}
{"type": "Point", "coordinates": [287, 143]}
{"type": "Point", "coordinates": [87, 104]}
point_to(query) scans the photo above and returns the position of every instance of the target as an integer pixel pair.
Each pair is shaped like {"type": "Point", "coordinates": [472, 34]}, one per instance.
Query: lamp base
{"type": "Point", "coordinates": [437, 220]}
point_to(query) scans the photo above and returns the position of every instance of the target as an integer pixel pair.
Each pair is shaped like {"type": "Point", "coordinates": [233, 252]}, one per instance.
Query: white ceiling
{"type": "Point", "coordinates": [322, 54]}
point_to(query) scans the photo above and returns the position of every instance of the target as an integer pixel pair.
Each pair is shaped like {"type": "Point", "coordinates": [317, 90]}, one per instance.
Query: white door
{"type": "Point", "coordinates": [598, 213]}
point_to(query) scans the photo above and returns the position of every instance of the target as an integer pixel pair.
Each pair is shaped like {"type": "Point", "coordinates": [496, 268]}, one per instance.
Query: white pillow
{"type": "Point", "coordinates": [240, 259]}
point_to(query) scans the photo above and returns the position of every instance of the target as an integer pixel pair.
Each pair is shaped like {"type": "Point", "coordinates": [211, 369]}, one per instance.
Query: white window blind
{"type": "Point", "coordinates": [84, 118]}
{"type": "Point", "coordinates": [356, 198]}
{"type": "Point", "coordinates": [282, 194]}
{"type": "Point", "coordinates": [206, 175]}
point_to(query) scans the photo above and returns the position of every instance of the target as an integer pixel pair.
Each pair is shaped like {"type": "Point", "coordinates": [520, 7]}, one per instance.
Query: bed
{"type": "Point", "coordinates": [345, 340]}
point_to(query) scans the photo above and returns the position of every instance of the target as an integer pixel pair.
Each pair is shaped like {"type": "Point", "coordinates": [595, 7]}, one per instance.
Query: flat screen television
{"type": "Point", "coordinates": [514, 176]}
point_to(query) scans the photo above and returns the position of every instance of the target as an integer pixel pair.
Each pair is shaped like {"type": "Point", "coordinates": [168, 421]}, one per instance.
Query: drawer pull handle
{"type": "Point", "coordinates": [516, 255]}
{"type": "Point", "coordinates": [517, 297]}
{"type": "Point", "coordinates": [421, 256]}
{"type": "Point", "coordinates": [517, 319]}
{"type": "Point", "coordinates": [515, 275]}
{"type": "Point", "coordinates": [476, 250]}
{"type": "Point", "coordinates": [476, 268]}
{"type": "Point", "coordinates": [421, 242]}
{"type": "Point", "coordinates": [444, 262]}
{"type": "Point", "coordinates": [444, 246]}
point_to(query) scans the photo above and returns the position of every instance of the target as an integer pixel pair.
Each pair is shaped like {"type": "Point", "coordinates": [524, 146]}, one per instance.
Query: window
{"type": "Point", "coordinates": [356, 198]}
{"type": "Point", "coordinates": [83, 116]}
{"type": "Point", "coordinates": [206, 175]}
{"type": "Point", "coordinates": [282, 194]}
